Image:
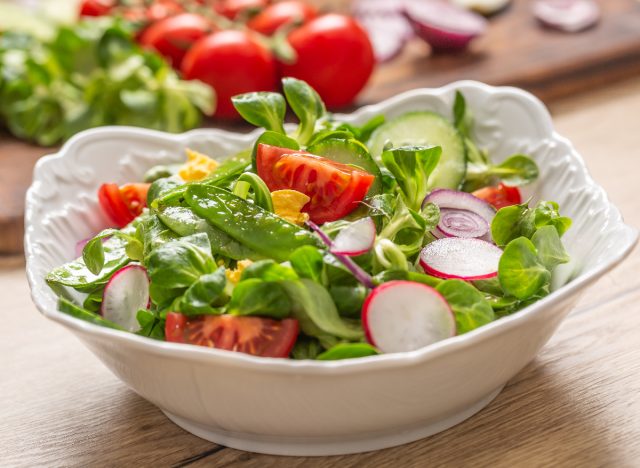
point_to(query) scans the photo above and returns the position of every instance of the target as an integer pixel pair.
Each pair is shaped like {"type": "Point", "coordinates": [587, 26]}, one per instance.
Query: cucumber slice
{"type": "Point", "coordinates": [350, 152]}
{"type": "Point", "coordinates": [429, 129]}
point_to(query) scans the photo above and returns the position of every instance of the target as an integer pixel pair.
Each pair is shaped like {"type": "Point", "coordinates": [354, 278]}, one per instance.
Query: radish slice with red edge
{"type": "Point", "coordinates": [443, 25]}
{"type": "Point", "coordinates": [356, 239]}
{"type": "Point", "coordinates": [461, 258]}
{"type": "Point", "coordinates": [567, 15]}
{"type": "Point", "coordinates": [401, 316]}
{"type": "Point", "coordinates": [355, 269]}
{"type": "Point", "coordinates": [126, 292]}
{"type": "Point", "coordinates": [462, 223]}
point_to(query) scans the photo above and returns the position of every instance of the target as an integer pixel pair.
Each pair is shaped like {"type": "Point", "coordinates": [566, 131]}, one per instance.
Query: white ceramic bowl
{"type": "Point", "coordinates": [291, 407]}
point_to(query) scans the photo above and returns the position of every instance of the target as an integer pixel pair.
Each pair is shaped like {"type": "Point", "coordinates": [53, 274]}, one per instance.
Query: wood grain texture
{"type": "Point", "coordinates": [576, 404]}
{"type": "Point", "coordinates": [515, 51]}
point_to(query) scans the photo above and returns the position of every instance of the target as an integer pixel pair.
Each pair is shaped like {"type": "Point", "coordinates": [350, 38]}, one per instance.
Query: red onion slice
{"type": "Point", "coordinates": [447, 198]}
{"type": "Point", "coordinates": [385, 24]}
{"type": "Point", "coordinates": [445, 26]}
{"type": "Point", "coordinates": [567, 15]}
{"type": "Point", "coordinates": [462, 223]}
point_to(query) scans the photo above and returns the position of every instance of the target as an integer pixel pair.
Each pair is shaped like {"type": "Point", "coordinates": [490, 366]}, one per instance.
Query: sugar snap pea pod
{"type": "Point", "coordinates": [261, 194]}
{"type": "Point", "coordinates": [249, 224]}
{"type": "Point", "coordinates": [184, 222]}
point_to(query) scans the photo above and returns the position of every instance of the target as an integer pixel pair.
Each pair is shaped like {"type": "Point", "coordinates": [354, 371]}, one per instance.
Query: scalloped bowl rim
{"type": "Point", "coordinates": [365, 364]}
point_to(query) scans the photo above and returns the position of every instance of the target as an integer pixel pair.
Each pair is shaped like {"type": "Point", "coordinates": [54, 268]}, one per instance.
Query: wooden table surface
{"type": "Point", "coordinates": [576, 404]}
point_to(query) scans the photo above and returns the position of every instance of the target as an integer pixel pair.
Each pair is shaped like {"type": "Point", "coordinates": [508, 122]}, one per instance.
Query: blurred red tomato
{"type": "Point", "coordinates": [96, 7]}
{"type": "Point", "coordinates": [231, 62]}
{"type": "Point", "coordinates": [172, 37]}
{"type": "Point", "coordinates": [278, 14]}
{"type": "Point", "coordinates": [232, 8]}
{"type": "Point", "coordinates": [334, 56]}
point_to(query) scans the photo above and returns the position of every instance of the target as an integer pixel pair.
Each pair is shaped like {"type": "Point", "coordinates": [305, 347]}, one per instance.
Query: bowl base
{"type": "Point", "coordinates": [321, 446]}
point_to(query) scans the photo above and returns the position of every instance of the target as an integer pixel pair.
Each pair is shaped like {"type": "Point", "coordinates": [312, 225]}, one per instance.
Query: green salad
{"type": "Point", "coordinates": [331, 241]}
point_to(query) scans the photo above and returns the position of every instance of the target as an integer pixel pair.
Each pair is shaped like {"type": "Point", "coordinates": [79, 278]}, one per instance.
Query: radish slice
{"type": "Point", "coordinates": [358, 273]}
{"type": "Point", "coordinates": [126, 292]}
{"type": "Point", "coordinates": [462, 223]}
{"type": "Point", "coordinates": [457, 257]}
{"type": "Point", "coordinates": [355, 239]}
{"type": "Point", "coordinates": [385, 24]}
{"type": "Point", "coordinates": [484, 7]}
{"type": "Point", "coordinates": [445, 26]}
{"type": "Point", "coordinates": [567, 15]}
{"type": "Point", "coordinates": [403, 316]}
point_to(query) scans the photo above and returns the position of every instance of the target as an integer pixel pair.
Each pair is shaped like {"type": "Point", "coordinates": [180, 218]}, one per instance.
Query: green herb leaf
{"type": "Point", "coordinates": [76, 275]}
{"type": "Point", "coordinates": [306, 348]}
{"type": "Point", "coordinates": [205, 295]}
{"type": "Point", "coordinates": [550, 249]}
{"type": "Point", "coordinates": [268, 270]}
{"type": "Point", "coordinates": [262, 109]}
{"type": "Point", "coordinates": [520, 271]}
{"type": "Point", "coordinates": [349, 299]}
{"type": "Point", "coordinates": [67, 307]}
{"type": "Point", "coordinates": [411, 166]}
{"type": "Point", "coordinates": [317, 314]}
{"type": "Point", "coordinates": [517, 170]}
{"type": "Point", "coordinates": [306, 104]}
{"type": "Point", "coordinates": [468, 304]}
{"type": "Point", "coordinates": [348, 351]}
{"type": "Point", "coordinates": [258, 297]}
{"type": "Point", "coordinates": [514, 221]}
{"type": "Point", "coordinates": [307, 261]}
{"type": "Point", "coordinates": [180, 263]}
{"type": "Point", "coordinates": [151, 325]}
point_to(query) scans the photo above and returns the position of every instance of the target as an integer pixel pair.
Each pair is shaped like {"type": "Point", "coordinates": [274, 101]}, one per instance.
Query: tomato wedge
{"type": "Point", "coordinates": [123, 204]}
{"type": "Point", "coordinates": [335, 189]}
{"type": "Point", "coordinates": [499, 195]}
{"type": "Point", "coordinates": [251, 335]}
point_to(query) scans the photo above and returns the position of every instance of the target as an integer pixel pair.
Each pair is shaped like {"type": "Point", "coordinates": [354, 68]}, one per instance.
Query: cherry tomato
{"type": "Point", "coordinates": [96, 7]}
{"type": "Point", "coordinates": [334, 56]}
{"type": "Point", "coordinates": [123, 204]}
{"type": "Point", "coordinates": [335, 189]}
{"type": "Point", "coordinates": [500, 195]}
{"type": "Point", "coordinates": [160, 9]}
{"type": "Point", "coordinates": [233, 8]}
{"type": "Point", "coordinates": [231, 62]}
{"type": "Point", "coordinates": [278, 14]}
{"type": "Point", "coordinates": [252, 335]}
{"type": "Point", "coordinates": [172, 37]}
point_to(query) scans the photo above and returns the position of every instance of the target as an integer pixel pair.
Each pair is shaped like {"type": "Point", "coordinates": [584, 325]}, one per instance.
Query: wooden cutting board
{"type": "Point", "coordinates": [516, 51]}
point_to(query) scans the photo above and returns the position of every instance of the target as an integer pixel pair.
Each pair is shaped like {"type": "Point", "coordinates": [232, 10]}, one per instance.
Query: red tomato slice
{"type": "Point", "coordinates": [251, 335]}
{"type": "Point", "coordinates": [123, 204]}
{"type": "Point", "coordinates": [135, 197]}
{"type": "Point", "coordinates": [500, 195]}
{"type": "Point", "coordinates": [335, 189]}
{"type": "Point", "coordinates": [278, 14]}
